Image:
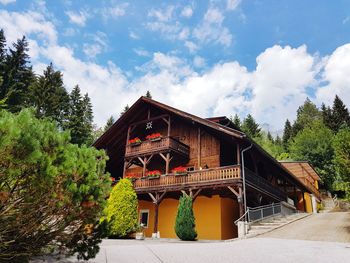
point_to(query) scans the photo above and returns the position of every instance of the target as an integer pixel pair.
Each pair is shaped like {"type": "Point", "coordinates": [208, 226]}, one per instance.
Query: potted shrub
{"type": "Point", "coordinates": [153, 174]}
{"type": "Point", "coordinates": [154, 137]}
{"type": "Point", "coordinates": [180, 170]}
{"type": "Point", "coordinates": [135, 141]}
{"type": "Point", "coordinates": [140, 235]}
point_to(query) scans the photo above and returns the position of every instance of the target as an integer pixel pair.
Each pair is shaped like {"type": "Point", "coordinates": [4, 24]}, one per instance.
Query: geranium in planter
{"type": "Point", "coordinates": [153, 174]}
{"type": "Point", "coordinates": [154, 137]}
{"type": "Point", "coordinates": [180, 170]}
{"type": "Point", "coordinates": [135, 141]}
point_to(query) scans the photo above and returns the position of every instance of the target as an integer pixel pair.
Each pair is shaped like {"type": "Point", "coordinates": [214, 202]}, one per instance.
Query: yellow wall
{"type": "Point", "coordinates": [214, 217]}
{"type": "Point", "coordinates": [308, 202]}
{"type": "Point", "coordinates": [229, 213]}
{"type": "Point", "coordinates": [150, 206]}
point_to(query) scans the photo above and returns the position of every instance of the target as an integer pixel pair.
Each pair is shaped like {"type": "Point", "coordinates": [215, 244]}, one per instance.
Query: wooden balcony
{"type": "Point", "coordinates": [163, 144]}
{"type": "Point", "coordinates": [200, 178]}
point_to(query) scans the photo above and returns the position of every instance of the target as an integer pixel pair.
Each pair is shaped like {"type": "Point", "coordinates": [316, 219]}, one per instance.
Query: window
{"type": "Point", "coordinates": [190, 169]}
{"type": "Point", "coordinates": [144, 215]}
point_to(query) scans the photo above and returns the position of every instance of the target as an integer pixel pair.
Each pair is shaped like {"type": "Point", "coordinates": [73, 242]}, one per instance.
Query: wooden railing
{"type": "Point", "coordinates": [191, 178]}
{"type": "Point", "coordinates": [164, 143]}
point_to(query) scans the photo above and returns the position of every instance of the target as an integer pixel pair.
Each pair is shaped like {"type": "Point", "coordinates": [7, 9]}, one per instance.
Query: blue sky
{"type": "Point", "coordinates": [206, 57]}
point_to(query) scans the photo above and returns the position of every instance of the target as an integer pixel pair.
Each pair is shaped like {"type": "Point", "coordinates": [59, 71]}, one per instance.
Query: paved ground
{"type": "Point", "coordinates": [265, 248]}
{"type": "Point", "coordinates": [318, 227]}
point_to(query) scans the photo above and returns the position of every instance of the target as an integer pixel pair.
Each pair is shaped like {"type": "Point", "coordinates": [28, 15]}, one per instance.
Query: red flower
{"type": "Point", "coordinates": [153, 136]}
{"type": "Point", "coordinates": [135, 140]}
{"type": "Point", "coordinates": [154, 173]}
{"type": "Point", "coordinates": [179, 169]}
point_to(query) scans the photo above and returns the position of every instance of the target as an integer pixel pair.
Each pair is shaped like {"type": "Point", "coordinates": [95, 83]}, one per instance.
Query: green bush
{"type": "Point", "coordinates": [185, 221]}
{"type": "Point", "coordinates": [121, 210]}
{"type": "Point", "coordinates": [44, 182]}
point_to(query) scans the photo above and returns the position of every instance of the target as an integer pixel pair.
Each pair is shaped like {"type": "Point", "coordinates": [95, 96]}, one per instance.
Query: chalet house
{"type": "Point", "coordinates": [167, 153]}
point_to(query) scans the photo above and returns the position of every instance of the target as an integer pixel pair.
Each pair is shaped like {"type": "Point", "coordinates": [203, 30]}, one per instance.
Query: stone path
{"type": "Point", "coordinates": [319, 227]}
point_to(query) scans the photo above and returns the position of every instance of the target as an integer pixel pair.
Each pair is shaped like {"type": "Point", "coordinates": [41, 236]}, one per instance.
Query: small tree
{"type": "Point", "coordinates": [185, 221]}
{"type": "Point", "coordinates": [121, 210]}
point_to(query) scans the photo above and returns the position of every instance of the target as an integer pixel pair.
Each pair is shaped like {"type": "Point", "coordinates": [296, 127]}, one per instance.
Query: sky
{"type": "Point", "coordinates": [209, 58]}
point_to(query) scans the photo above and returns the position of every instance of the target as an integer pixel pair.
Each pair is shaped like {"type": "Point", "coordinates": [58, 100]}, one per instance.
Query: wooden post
{"type": "Point", "coordinates": [167, 163]}
{"type": "Point", "coordinates": [304, 201]}
{"type": "Point", "coordinates": [199, 148]}
{"type": "Point", "coordinates": [144, 166]}
{"type": "Point", "coordinates": [155, 227]}
{"type": "Point", "coordinates": [240, 202]}
{"type": "Point", "coordinates": [238, 152]}
{"type": "Point", "coordinates": [295, 197]}
{"type": "Point", "coordinates": [169, 127]}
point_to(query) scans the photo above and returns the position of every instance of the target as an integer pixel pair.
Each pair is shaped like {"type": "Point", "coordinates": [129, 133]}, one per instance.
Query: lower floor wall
{"type": "Point", "coordinates": [308, 203]}
{"type": "Point", "coordinates": [214, 217]}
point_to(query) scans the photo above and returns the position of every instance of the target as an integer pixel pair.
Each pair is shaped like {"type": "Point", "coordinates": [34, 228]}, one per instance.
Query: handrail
{"type": "Point", "coordinates": [239, 219]}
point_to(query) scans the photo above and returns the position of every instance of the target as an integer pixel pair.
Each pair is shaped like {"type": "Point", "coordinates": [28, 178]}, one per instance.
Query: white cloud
{"type": "Point", "coordinates": [114, 11]}
{"type": "Point", "coordinates": [336, 74]}
{"type": "Point", "coordinates": [212, 30]}
{"type": "Point", "coordinates": [78, 18]}
{"type": "Point", "coordinates": [280, 82]}
{"type": "Point", "coordinates": [162, 15]}
{"type": "Point", "coordinates": [187, 11]}
{"type": "Point", "coordinates": [141, 52]}
{"type": "Point", "coordinates": [232, 4]}
{"type": "Point", "coordinates": [192, 47]}
{"type": "Point", "coordinates": [6, 2]}
{"type": "Point", "coordinates": [133, 35]}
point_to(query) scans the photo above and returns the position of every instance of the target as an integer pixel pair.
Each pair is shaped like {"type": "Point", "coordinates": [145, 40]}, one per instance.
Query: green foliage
{"type": "Point", "coordinates": [121, 210]}
{"type": "Point", "coordinates": [341, 144]}
{"type": "Point", "coordinates": [185, 221]}
{"type": "Point", "coordinates": [80, 118]}
{"type": "Point", "coordinates": [109, 123]}
{"type": "Point", "coordinates": [274, 148]}
{"type": "Point", "coordinates": [148, 94]}
{"type": "Point", "coordinates": [306, 115]}
{"type": "Point", "coordinates": [287, 134]}
{"type": "Point", "coordinates": [236, 121]}
{"type": "Point", "coordinates": [49, 97]}
{"type": "Point", "coordinates": [17, 76]}
{"type": "Point", "coordinates": [314, 144]}
{"type": "Point", "coordinates": [44, 182]}
{"type": "Point", "coordinates": [251, 127]}
{"type": "Point", "coordinates": [340, 115]}
{"type": "Point", "coordinates": [126, 108]}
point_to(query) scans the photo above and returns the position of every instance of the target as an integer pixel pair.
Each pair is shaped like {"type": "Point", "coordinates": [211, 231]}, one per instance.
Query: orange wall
{"type": "Point", "coordinates": [214, 217]}
{"type": "Point", "coordinates": [229, 213]}
{"type": "Point", "coordinates": [308, 202]}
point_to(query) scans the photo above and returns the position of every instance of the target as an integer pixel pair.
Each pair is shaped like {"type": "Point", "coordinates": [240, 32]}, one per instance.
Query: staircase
{"type": "Point", "coordinates": [328, 202]}
{"type": "Point", "coordinates": [270, 224]}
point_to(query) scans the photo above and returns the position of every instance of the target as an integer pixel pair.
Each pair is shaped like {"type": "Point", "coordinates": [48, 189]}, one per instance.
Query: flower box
{"type": "Point", "coordinates": [154, 137]}
{"type": "Point", "coordinates": [154, 173]}
{"type": "Point", "coordinates": [179, 171]}
{"type": "Point", "coordinates": [134, 142]}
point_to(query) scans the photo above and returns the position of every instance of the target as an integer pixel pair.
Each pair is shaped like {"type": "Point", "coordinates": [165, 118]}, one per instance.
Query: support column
{"type": "Point", "coordinates": [156, 200]}
{"type": "Point", "coordinates": [155, 227]}
{"type": "Point", "coordinates": [240, 202]}
{"type": "Point", "coordinates": [295, 197]}
{"type": "Point", "coordinates": [304, 200]}
{"type": "Point", "coordinates": [238, 153]}
{"type": "Point", "coordinates": [199, 148]}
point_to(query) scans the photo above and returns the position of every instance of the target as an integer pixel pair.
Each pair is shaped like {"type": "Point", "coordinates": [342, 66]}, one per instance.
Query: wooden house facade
{"type": "Point", "coordinates": [167, 153]}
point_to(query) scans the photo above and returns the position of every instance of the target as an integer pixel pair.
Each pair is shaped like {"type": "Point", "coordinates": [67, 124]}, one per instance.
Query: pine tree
{"type": "Point", "coordinates": [2, 53]}
{"type": "Point", "coordinates": [109, 123]}
{"type": "Point", "coordinates": [148, 94]}
{"type": "Point", "coordinates": [327, 116]}
{"type": "Point", "coordinates": [126, 108]}
{"type": "Point", "coordinates": [49, 97]}
{"type": "Point", "coordinates": [237, 121]}
{"type": "Point", "coordinates": [250, 127]}
{"type": "Point", "coordinates": [80, 117]}
{"type": "Point", "coordinates": [340, 115]}
{"type": "Point", "coordinates": [18, 76]}
{"type": "Point", "coordinates": [287, 134]}
{"type": "Point", "coordinates": [306, 115]}
{"type": "Point", "coordinates": [269, 137]}
{"type": "Point", "coordinates": [185, 221]}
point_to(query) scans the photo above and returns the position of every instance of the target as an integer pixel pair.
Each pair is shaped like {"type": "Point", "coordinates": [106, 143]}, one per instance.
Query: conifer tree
{"type": "Point", "coordinates": [237, 121]}
{"type": "Point", "coordinates": [49, 97]}
{"type": "Point", "coordinates": [2, 52]}
{"type": "Point", "coordinates": [327, 116]}
{"type": "Point", "coordinates": [250, 127]}
{"type": "Point", "coordinates": [17, 77]}
{"type": "Point", "coordinates": [148, 94]}
{"type": "Point", "coordinates": [109, 123]}
{"type": "Point", "coordinates": [340, 115]}
{"type": "Point", "coordinates": [185, 221]}
{"type": "Point", "coordinates": [287, 134]}
{"type": "Point", "coordinates": [269, 137]}
{"type": "Point", "coordinates": [126, 108]}
{"type": "Point", "coordinates": [80, 117]}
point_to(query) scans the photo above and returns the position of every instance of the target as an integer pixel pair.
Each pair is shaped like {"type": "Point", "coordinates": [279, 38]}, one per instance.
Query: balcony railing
{"type": "Point", "coordinates": [164, 143]}
{"type": "Point", "coordinates": [193, 178]}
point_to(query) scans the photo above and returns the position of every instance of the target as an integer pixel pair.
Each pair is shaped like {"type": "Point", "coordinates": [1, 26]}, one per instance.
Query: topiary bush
{"type": "Point", "coordinates": [121, 210]}
{"type": "Point", "coordinates": [185, 221]}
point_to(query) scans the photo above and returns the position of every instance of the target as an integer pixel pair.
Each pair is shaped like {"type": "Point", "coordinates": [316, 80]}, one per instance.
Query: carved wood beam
{"type": "Point", "coordinates": [234, 191]}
